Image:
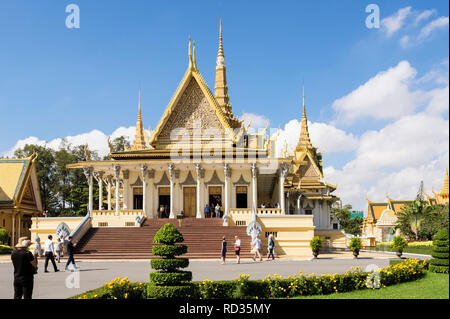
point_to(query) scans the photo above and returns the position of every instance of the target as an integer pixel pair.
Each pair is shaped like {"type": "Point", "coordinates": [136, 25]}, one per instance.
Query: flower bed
{"type": "Point", "coordinates": [276, 286]}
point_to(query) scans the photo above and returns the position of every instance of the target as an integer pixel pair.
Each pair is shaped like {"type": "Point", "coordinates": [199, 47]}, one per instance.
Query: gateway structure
{"type": "Point", "coordinates": [200, 154]}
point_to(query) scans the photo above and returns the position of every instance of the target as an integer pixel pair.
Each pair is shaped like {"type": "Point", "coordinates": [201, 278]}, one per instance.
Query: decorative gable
{"type": "Point", "coordinates": [192, 111]}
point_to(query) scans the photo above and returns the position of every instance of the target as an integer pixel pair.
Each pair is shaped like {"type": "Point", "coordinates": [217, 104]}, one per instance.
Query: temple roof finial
{"type": "Point", "coordinates": [304, 141]}
{"type": "Point", "coordinates": [139, 139]}
{"type": "Point", "coordinates": [193, 56]}
{"type": "Point", "coordinates": [190, 53]}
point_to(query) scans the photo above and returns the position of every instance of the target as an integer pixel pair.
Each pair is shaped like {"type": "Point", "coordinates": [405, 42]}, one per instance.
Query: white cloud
{"type": "Point", "coordinates": [441, 22]}
{"type": "Point", "coordinates": [394, 160]}
{"type": "Point", "coordinates": [424, 15]}
{"type": "Point", "coordinates": [386, 95]}
{"type": "Point", "coordinates": [96, 140]}
{"type": "Point", "coordinates": [438, 100]}
{"type": "Point", "coordinates": [393, 23]}
{"type": "Point", "coordinates": [325, 137]}
{"type": "Point", "coordinates": [257, 121]}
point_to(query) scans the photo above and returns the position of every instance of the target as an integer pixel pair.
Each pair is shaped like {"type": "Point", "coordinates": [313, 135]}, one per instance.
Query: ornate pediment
{"type": "Point", "coordinates": [137, 182]}
{"type": "Point", "coordinates": [193, 111]}
{"type": "Point", "coordinates": [189, 180]}
{"type": "Point", "coordinates": [215, 180]}
{"type": "Point", "coordinates": [241, 181]}
{"type": "Point", "coordinates": [164, 181]}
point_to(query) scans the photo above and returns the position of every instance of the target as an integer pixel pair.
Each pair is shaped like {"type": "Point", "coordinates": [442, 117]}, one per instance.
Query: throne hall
{"type": "Point", "coordinates": [201, 155]}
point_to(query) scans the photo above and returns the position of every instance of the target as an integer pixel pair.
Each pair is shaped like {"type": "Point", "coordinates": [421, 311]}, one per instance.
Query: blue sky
{"type": "Point", "coordinates": [57, 82]}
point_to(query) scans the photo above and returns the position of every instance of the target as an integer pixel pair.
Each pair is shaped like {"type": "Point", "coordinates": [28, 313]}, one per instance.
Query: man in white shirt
{"type": "Point", "coordinates": [256, 248]}
{"type": "Point", "coordinates": [49, 253]}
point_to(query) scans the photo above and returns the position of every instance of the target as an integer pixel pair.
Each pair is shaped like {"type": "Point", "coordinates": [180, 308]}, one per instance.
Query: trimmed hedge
{"type": "Point", "coordinates": [170, 278]}
{"type": "Point", "coordinates": [439, 263]}
{"type": "Point", "coordinates": [169, 251]}
{"type": "Point", "coordinates": [168, 235]}
{"type": "Point", "coordinates": [171, 292]}
{"type": "Point", "coordinates": [169, 264]}
{"type": "Point", "coordinates": [169, 281]}
{"type": "Point", "coordinates": [271, 287]}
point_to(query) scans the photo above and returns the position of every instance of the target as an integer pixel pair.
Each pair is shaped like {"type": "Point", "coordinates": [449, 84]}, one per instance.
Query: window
{"type": "Point", "coordinates": [308, 211]}
{"type": "Point", "coordinates": [335, 226]}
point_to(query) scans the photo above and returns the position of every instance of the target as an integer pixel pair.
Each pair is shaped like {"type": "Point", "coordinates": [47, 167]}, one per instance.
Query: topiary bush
{"type": "Point", "coordinates": [355, 246]}
{"type": "Point", "coordinates": [439, 262]}
{"type": "Point", "coordinates": [316, 245]}
{"type": "Point", "coordinates": [5, 249]}
{"type": "Point", "coordinates": [169, 281]}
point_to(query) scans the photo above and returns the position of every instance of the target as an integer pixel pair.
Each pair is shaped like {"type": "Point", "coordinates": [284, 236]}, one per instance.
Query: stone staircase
{"type": "Point", "coordinates": [202, 236]}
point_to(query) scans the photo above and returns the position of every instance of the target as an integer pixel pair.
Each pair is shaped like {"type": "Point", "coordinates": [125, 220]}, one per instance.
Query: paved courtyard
{"type": "Point", "coordinates": [93, 274]}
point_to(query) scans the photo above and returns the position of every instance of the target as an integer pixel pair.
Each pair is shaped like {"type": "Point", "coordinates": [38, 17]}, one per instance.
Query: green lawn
{"type": "Point", "coordinates": [432, 286]}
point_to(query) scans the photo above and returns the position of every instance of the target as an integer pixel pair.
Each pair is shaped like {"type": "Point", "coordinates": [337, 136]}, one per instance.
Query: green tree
{"type": "Point", "coordinates": [348, 224]}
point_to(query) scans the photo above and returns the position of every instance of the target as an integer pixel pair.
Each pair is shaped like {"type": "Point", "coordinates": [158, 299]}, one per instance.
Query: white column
{"type": "Point", "coordinates": [117, 176]}
{"type": "Point", "coordinates": [283, 173]}
{"type": "Point", "coordinates": [288, 208]}
{"type": "Point", "coordinates": [198, 170]}
{"type": "Point", "coordinates": [319, 222]}
{"type": "Point", "coordinates": [171, 173]}
{"type": "Point", "coordinates": [109, 192]}
{"type": "Point", "coordinates": [227, 173]}
{"type": "Point", "coordinates": [144, 188]}
{"type": "Point", "coordinates": [151, 175]}
{"type": "Point", "coordinates": [299, 207]}
{"type": "Point", "coordinates": [88, 172]}
{"type": "Point", "coordinates": [100, 190]}
{"type": "Point", "coordinates": [126, 176]}
{"type": "Point", "coordinates": [254, 189]}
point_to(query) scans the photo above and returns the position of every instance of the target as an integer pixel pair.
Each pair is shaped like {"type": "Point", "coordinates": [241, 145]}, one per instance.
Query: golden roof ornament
{"type": "Point", "coordinates": [304, 141]}
{"type": "Point", "coordinates": [139, 140]}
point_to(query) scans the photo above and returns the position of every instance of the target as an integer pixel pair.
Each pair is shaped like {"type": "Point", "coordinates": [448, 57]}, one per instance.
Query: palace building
{"type": "Point", "coordinates": [381, 217]}
{"type": "Point", "coordinates": [20, 198]}
{"type": "Point", "coordinates": [201, 155]}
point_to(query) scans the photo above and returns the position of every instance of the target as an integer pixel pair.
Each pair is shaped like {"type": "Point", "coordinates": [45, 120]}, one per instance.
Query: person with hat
{"type": "Point", "coordinates": [25, 265]}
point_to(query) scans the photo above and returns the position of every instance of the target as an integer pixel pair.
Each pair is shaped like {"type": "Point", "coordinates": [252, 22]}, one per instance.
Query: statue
{"type": "Point", "coordinates": [87, 153]}
{"type": "Point", "coordinates": [111, 147]}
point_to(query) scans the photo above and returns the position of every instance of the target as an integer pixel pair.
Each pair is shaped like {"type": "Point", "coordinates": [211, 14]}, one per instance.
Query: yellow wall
{"type": "Point", "coordinates": [43, 227]}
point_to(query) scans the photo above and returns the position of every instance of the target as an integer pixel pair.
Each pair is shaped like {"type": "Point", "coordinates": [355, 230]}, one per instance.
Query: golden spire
{"type": "Point", "coordinates": [304, 141]}
{"type": "Point", "coordinates": [193, 56]}
{"type": "Point", "coordinates": [221, 87]}
{"type": "Point", "coordinates": [139, 139]}
{"type": "Point", "coordinates": [190, 54]}
{"type": "Point", "coordinates": [445, 186]}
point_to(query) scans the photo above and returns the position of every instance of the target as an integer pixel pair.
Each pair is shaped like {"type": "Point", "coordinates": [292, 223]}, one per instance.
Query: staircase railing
{"type": "Point", "coordinates": [82, 228]}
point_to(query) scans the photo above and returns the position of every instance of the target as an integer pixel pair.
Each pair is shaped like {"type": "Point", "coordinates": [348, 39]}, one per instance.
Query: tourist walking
{"type": "Point", "coordinates": [70, 251]}
{"type": "Point", "coordinates": [49, 253]}
{"type": "Point", "coordinates": [217, 210]}
{"type": "Point", "coordinates": [24, 269]}
{"type": "Point", "coordinates": [270, 247]}
{"type": "Point", "coordinates": [206, 211]}
{"type": "Point", "coordinates": [237, 248]}
{"type": "Point", "coordinates": [256, 249]}
{"type": "Point", "coordinates": [224, 250]}
{"type": "Point", "coordinates": [59, 248]}
{"type": "Point", "coordinates": [37, 247]}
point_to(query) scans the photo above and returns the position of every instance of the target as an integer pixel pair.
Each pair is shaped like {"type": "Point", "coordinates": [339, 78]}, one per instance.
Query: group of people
{"type": "Point", "coordinates": [263, 205]}
{"type": "Point", "coordinates": [256, 248]}
{"type": "Point", "coordinates": [213, 211]}
{"type": "Point", "coordinates": [26, 263]}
